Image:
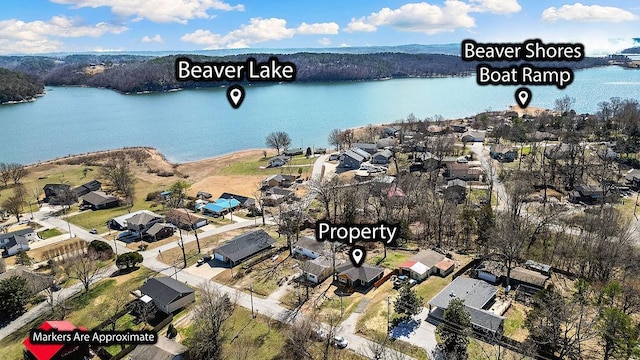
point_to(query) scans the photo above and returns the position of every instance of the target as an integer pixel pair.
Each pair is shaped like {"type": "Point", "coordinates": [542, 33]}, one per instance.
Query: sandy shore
{"type": "Point", "coordinates": [530, 110]}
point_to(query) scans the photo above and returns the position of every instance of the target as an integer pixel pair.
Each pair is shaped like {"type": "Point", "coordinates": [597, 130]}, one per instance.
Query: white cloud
{"type": "Point", "coordinates": [344, 45]}
{"type": "Point", "coordinates": [258, 30]}
{"type": "Point", "coordinates": [33, 37]}
{"type": "Point", "coordinates": [100, 49]}
{"type": "Point", "coordinates": [324, 41]}
{"type": "Point", "coordinates": [360, 25]}
{"type": "Point", "coordinates": [162, 11]}
{"type": "Point", "coordinates": [497, 6]}
{"type": "Point", "coordinates": [420, 17]}
{"type": "Point", "coordinates": [156, 38]}
{"type": "Point", "coordinates": [318, 29]}
{"type": "Point", "coordinates": [587, 13]}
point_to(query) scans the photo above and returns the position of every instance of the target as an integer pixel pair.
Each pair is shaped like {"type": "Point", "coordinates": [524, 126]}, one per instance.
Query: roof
{"type": "Point", "coordinates": [48, 351]}
{"type": "Point", "coordinates": [56, 187]}
{"type": "Point", "coordinates": [457, 182]}
{"type": "Point", "coordinates": [492, 267]}
{"type": "Point", "coordinates": [245, 245]}
{"type": "Point", "coordinates": [164, 349]}
{"type": "Point", "coordinates": [528, 276]}
{"type": "Point", "coordinates": [311, 243]}
{"type": "Point", "coordinates": [213, 207]}
{"type": "Point", "coordinates": [142, 218]}
{"type": "Point", "coordinates": [428, 257]}
{"type": "Point", "coordinates": [97, 198]}
{"type": "Point", "coordinates": [156, 228]}
{"type": "Point", "coordinates": [182, 216]}
{"type": "Point", "coordinates": [445, 264]}
{"type": "Point", "coordinates": [244, 200]}
{"type": "Point", "coordinates": [533, 265]}
{"type": "Point", "coordinates": [85, 188]}
{"type": "Point", "coordinates": [319, 264]}
{"type": "Point", "coordinates": [165, 290]}
{"type": "Point", "coordinates": [475, 293]}
{"type": "Point", "coordinates": [385, 153]}
{"type": "Point", "coordinates": [474, 134]}
{"type": "Point", "coordinates": [123, 219]}
{"type": "Point", "coordinates": [361, 152]}
{"type": "Point", "coordinates": [352, 154]}
{"type": "Point", "coordinates": [415, 266]}
{"type": "Point", "coordinates": [365, 146]}
{"type": "Point", "coordinates": [279, 178]}
{"type": "Point", "coordinates": [227, 203]}
{"type": "Point", "coordinates": [480, 318]}
{"type": "Point", "coordinates": [35, 281]}
{"type": "Point", "coordinates": [502, 148]}
{"type": "Point", "coordinates": [278, 191]}
{"type": "Point", "coordinates": [364, 273]}
{"type": "Point", "coordinates": [20, 233]}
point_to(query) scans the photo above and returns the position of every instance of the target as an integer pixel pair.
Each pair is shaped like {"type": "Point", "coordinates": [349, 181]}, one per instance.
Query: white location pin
{"type": "Point", "coordinates": [523, 97]}
{"type": "Point", "coordinates": [235, 95]}
{"type": "Point", "coordinates": [357, 254]}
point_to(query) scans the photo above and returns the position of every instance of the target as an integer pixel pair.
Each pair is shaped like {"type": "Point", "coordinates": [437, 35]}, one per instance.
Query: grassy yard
{"type": "Point", "coordinates": [253, 167]}
{"type": "Point", "coordinates": [514, 322]}
{"type": "Point", "coordinates": [49, 233]}
{"type": "Point", "coordinates": [393, 260]}
{"type": "Point", "coordinates": [431, 287]}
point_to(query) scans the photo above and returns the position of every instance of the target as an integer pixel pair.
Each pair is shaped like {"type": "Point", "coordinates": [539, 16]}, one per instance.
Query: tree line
{"type": "Point", "coordinates": [17, 86]}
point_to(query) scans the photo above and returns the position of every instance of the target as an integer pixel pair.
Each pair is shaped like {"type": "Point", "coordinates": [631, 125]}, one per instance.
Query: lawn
{"type": "Point", "coordinates": [514, 322]}
{"type": "Point", "coordinates": [253, 167]}
{"type": "Point", "coordinates": [431, 287]}
{"type": "Point", "coordinates": [393, 260]}
{"type": "Point", "coordinates": [49, 233]}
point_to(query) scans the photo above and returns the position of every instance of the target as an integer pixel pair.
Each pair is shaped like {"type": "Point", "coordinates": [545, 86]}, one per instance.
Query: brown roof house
{"type": "Point", "coordinates": [319, 269]}
{"type": "Point", "coordinates": [362, 277]}
{"type": "Point", "coordinates": [185, 219]}
{"type": "Point", "coordinates": [98, 200]}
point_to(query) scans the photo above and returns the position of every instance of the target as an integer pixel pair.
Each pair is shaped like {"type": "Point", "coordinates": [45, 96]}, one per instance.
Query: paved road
{"type": "Point", "coordinates": [43, 307]}
{"type": "Point", "coordinates": [482, 153]}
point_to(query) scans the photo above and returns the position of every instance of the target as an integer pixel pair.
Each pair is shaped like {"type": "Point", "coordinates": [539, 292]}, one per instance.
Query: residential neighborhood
{"type": "Point", "coordinates": [501, 236]}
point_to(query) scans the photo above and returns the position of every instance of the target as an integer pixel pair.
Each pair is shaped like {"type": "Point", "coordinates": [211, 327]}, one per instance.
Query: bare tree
{"type": "Point", "coordinates": [118, 173]}
{"type": "Point", "coordinates": [13, 205]}
{"type": "Point", "coordinates": [326, 191]}
{"type": "Point", "coordinates": [5, 174]}
{"type": "Point", "coordinates": [83, 267]}
{"type": "Point", "coordinates": [278, 140]}
{"type": "Point", "coordinates": [211, 311]}
{"type": "Point", "coordinates": [17, 172]}
{"type": "Point", "coordinates": [336, 138]}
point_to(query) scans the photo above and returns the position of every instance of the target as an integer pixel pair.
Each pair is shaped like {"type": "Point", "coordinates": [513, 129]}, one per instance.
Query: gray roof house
{"type": "Point", "coordinates": [36, 282]}
{"type": "Point", "coordinates": [310, 247]}
{"type": "Point", "coordinates": [382, 157]}
{"type": "Point", "coordinates": [98, 200]}
{"type": "Point", "coordinates": [362, 277]}
{"type": "Point", "coordinates": [243, 247]}
{"type": "Point", "coordinates": [370, 148]}
{"type": "Point", "coordinates": [16, 241]}
{"type": "Point", "coordinates": [164, 349]}
{"type": "Point", "coordinates": [473, 136]}
{"type": "Point", "coordinates": [319, 269]}
{"type": "Point", "coordinates": [351, 159]}
{"type": "Point", "coordinates": [168, 294]}
{"type": "Point", "coordinates": [143, 221]}
{"type": "Point", "coordinates": [478, 297]}
{"type": "Point", "coordinates": [93, 185]}
{"type": "Point", "coordinates": [121, 222]}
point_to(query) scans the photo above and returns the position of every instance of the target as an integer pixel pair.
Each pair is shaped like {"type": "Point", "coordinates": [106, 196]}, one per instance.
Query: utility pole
{"type": "Point", "coordinates": [251, 290]}
{"type": "Point", "coordinates": [341, 307]}
{"type": "Point", "coordinates": [388, 314]}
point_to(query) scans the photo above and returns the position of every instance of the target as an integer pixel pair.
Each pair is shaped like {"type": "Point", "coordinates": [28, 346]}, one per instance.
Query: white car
{"type": "Point", "coordinates": [340, 342]}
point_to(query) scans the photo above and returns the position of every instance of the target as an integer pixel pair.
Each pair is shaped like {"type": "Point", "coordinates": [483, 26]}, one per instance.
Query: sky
{"type": "Point", "coordinates": [45, 26]}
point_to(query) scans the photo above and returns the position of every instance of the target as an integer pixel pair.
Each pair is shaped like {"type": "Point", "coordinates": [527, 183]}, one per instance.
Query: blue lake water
{"type": "Point", "coordinates": [196, 124]}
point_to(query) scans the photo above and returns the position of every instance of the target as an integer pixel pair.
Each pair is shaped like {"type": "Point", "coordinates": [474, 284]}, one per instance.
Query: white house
{"type": "Point", "coordinates": [16, 241]}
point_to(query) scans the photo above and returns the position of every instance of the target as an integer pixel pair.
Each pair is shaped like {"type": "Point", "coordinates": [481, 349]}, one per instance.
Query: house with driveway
{"type": "Point", "coordinates": [168, 294]}
{"type": "Point", "coordinates": [16, 241]}
{"type": "Point", "coordinates": [98, 200]}
{"type": "Point", "coordinates": [359, 278]}
{"type": "Point", "coordinates": [243, 247]}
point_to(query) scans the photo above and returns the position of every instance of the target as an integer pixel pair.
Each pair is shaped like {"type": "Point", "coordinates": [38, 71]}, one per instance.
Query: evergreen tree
{"type": "Point", "coordinates": [408, 301]}
{"type": "Point", "coordinates": [455, 330]}
{"type": "Point", "coordinates": [14, 296]}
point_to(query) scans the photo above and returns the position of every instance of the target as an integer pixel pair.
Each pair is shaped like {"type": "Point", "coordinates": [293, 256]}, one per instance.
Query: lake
{"type": "Point", "coordinates": [196, 124]}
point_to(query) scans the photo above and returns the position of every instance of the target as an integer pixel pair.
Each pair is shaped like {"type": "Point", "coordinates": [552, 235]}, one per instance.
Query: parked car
{"type": "Point", "coordinates": [334, 157]}
{"type": "Point", "coordinates": [93, 231]}
{"type": "Point", "coordinates": [340, 342]}
{"type": "Point", "coordinates": [403, 279]}
{"type": "Point", "coordinates": [55, 287]}
{"type": "Point", "coordinates": [203, 260]}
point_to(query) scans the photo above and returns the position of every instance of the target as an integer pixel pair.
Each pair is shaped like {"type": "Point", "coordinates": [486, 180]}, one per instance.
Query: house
{"type": "Point", "coordinates": [539, 267]}
{"type": "Point", "coordinates": [589, 194]}
{"type": "Point", "coordinates": [278, 161]}
{"type": "Point", "coordinates": [276, 196]}
{"type": "Point", "coordinates": [491, 271]}
{"type": "Point", "coordinates": [365, 155]}
{"type": "Point", "coordinates": [362, 277]}
{"type": "Point", "coordinates": [203, 195]}
{"type": "Point", "coordinates": [544, 136]}
{"type": "Point", "coordinates": [93, 185]}
{"type": "Point", "coordinates": [185, 219]}
{"type": "Point", "coordinates": [243, 247]}
{"type": "Point", "coordinates": [319, 269]}
{"type": "Point", "coordinates": [455, 191]}
{"type": "Point", "coordinates": [59, 351]}
{"type": "Point", "coordinates": [121, 222]}
{"type": "Point", "coordinates": [382, 157]}
{"type": "Point", "coordinates": [422, 265]}
{"type": "Point", "coordinates": [445, 267]}
{"type": "Point", "coordinates": [16, 241]}
{"type": "Point", "coordinates": [562, 151]}
{"type": "Point", "coordinates": [220, 207]}
{"type": "Point", "coordinates": [463, 171]}
{"type": "Point", "coordinates": [59, 194]}
{"type": "Point", "coordinates": [458, 128]}
{"type": "Point", "coordinates": [351, 159]}
{"type": "Point", "coordinates": [281, 180]}
{"type": "Point", "coordinates": [159, 231]}
{"type": "Point", "coordinates": [368, 147]}
{"type": "Point", "coordinates": [529, 280]}
{"type": "Point", "coordinates": [473, 136]}
{"type": "Point", "coordinates": [478, 298]}
{"type": "Point", "coordinates": [164, 349]}
{"type": "Point", "coordinates": [633, 178]}
{"type": "Point", "coordinates": [143, 221]}
{"type": "Point", "coordinates": [36, 282]}
{"type": "Point", "coordinates": [390, 131]}
{"type": "Point", "coordinates": [503, 153]}
{"type": "Point", "coordinates": [98, 200]}
{"type": "Point", "coordinates": [310, 247]}
{"type": "Point", "coordinates": [386, 143]}
{"type": "Point", "coordinates": [245, 201]}
{"type": "Point", "coordinates": [168, 294]}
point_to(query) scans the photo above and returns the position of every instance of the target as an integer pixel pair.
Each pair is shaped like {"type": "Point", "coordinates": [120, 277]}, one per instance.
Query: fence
{"type": "Point", "coordinates": [465, 268]}
{"type": "Point", "coordinates": [385, 278]}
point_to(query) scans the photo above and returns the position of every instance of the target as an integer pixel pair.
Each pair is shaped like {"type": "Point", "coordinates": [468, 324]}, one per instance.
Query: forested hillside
{"type": "Point", "coordinates": [132, 73]}
{"type": "Point", "coordinates": [16, 86]}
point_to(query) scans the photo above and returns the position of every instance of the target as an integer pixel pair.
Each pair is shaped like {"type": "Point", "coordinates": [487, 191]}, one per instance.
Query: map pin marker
{"type": "Point", "coordinates": [357, 254]}
{"type": "Point", "coordinates": [523, 97]}
{"type": "Point", "coordinates": [235, 95]}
